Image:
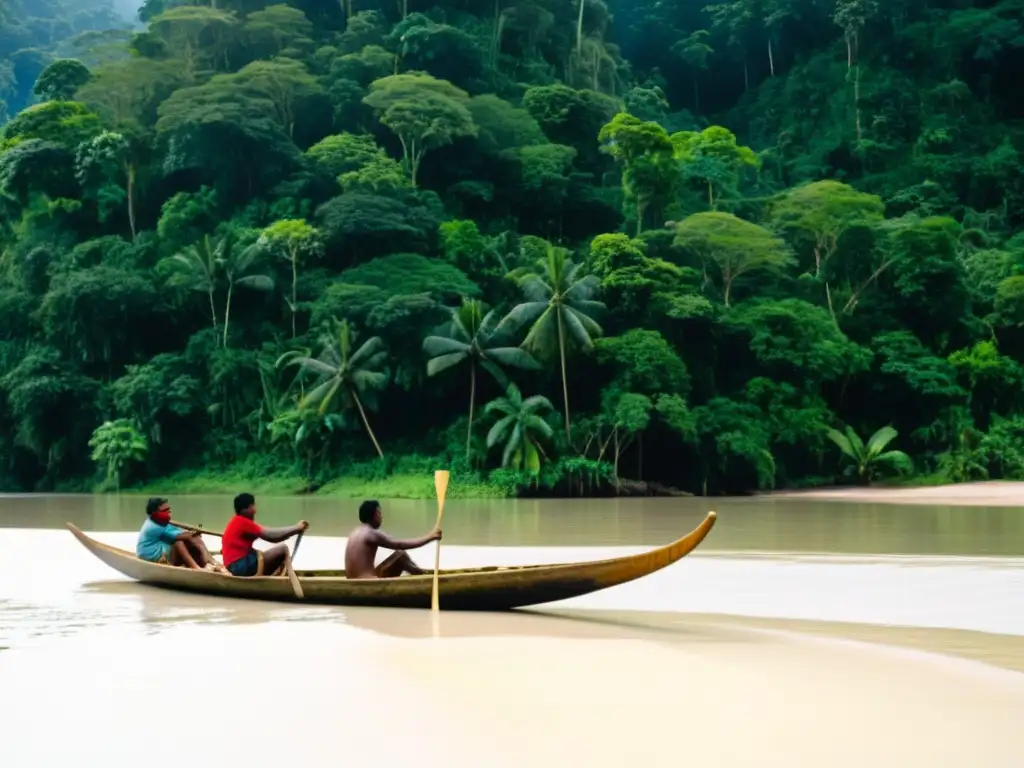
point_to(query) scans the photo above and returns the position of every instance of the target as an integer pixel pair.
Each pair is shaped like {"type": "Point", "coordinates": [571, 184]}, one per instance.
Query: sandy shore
{"type": "Point", "coordinates": [996, 493]}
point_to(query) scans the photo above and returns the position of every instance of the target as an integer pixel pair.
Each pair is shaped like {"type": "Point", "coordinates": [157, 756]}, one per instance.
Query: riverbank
{"type": "Point", "coordinates": [994, 493]}
{"type": "Point", "coordinates": [395, 486]}
{"type": "Point", "coordinates": [420, 485]}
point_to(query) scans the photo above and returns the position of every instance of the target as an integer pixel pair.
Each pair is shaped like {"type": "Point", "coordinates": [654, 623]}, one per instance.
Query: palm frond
{"type": "Point", "coordinates": [576, 327]}
{"type": "Point", "coordinates": [374, 363]}
{"type": "Point", "coordinates": [514, 441]}
{"type": "Point", "coordinates": [536, 289]}
{"type": "Point", "coordinates": [496, 373]}
{"type": "Point", "coordinates": [369, 349]}
{"type": "Point", "coordinates": [312, 364]}
{"type": "Point", "coordinates": [543, 336]}
{"type": "Point", "coordinates": [516, 357]}
{"type": "Point", "coordinates": [536, 402]}
{"type": "Point", "coordinates": [319, 394]}
{"type": "Point", "coordinates": [898, 459]}
{"type": "Point", "coordinates": [325, 403]}
{"type": "Point", "coordinates": [583, 289]}
{"type": "Point", "coordinates": [537, 424]}
{"type": "Point", "coordinates": [435, 346]}
{"type": "Point", "coordinates": [443, 362]}
{"type": "Point", "coordinates": [256, 282]}
{"type": "Point", "coordinates": [881, 438]}
{"type": "Point", "coordinates": [842, 442]}
{"type": "Point", "coordinates": [855, 442]}
{"type": "Point", "coordinates": [589, 325]}
{"type": "Point", "coordinates": [497, 431]}
{"type": "Point", "coordinates": [521, 314]}
{"type": "Point", "coordinates": [500, 405]}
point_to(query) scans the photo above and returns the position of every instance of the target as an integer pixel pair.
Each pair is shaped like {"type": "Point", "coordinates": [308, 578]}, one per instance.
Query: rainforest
{"type": "Point", "coordinates": [561, 247]}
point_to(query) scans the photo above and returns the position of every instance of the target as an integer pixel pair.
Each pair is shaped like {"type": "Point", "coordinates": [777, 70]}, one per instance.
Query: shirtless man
{"type": "Point", "coordinates": [363, 542]}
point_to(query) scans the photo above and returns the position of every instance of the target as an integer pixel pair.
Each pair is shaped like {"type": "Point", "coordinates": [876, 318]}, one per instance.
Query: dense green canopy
{"type": "Point", "coordinates": [718, 244]}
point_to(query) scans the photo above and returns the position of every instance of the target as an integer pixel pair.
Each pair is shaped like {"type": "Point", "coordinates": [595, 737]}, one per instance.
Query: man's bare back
{"type": "Point", "coordinates": [364, 541]}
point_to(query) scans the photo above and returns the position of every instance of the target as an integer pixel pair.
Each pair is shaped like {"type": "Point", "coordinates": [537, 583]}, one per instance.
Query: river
{"type": "Point", "coordinates": [801, 633]}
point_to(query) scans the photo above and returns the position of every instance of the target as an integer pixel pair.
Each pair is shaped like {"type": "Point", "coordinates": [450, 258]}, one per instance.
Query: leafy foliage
{"type": "Point", "coordinates": [243, 234]}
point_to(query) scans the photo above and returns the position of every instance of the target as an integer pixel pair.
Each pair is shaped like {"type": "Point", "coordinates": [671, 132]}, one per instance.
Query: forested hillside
{"type": "Point", "coordinates": [548, 243]}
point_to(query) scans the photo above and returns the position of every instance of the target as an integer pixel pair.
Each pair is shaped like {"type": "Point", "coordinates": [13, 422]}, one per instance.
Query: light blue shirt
{"type": "Point", "coordinates": [155, 540]}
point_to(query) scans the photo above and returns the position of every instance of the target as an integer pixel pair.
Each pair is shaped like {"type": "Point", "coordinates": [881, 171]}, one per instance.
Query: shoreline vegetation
{"type": "Point", "coordinates": [407, 484]}
{"type": "Point", "coordinates": [419, 485]}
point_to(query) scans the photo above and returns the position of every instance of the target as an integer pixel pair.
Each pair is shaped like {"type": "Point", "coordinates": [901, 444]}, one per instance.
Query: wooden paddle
{"type": "Point", "coordinates": [441, 477]}
{"type": "Point", "coordinates": [189, 527]}
{"type": "Point", "coordinates": [296, 586]}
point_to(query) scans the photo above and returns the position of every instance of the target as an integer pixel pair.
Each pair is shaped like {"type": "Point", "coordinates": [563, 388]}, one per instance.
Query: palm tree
{"type": "Point", "coordinates": [559, 303]}
{"type": "Point", "coordinates": [340, 369]}
{"type": "Point", "coordinates": [117, 443]}
{"type": "Point", "coordinates": [236, 264]}
{"type": "Point", "coordinates": [868, 458]}
{"type": "Point", "coordinates": [471, 335]}
{"type": "Point", "coordinates": [196, 268]}
{"type": "Point", "coordinates": [519, 428]}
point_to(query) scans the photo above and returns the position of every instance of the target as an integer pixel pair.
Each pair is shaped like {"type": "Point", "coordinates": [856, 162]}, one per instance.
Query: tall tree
{"type": "Point", "coordinates": [732, 245]}
{"type": "Point", "coordinates": [355, 375]}
{"type": "Point", "coordinates": [472, 335]}
{"type": "Point", "coordinates": [649, 167]}
{"type": "Point", "coordinates": [423, 112]}
{"type": "Point", "coordinates": [197, 268]}
{"type": "Point", "coordinates": [238, 264]}
{"type": "Point", "coordinates": [558, 308]}
{"type": "Point", "coordinates": [520, 428]}
{"type": "Point", "coordinates": [292, 240]}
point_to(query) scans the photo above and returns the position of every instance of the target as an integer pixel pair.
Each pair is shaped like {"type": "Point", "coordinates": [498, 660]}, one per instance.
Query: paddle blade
{"type": "Point", "coordinates": [441, 478]}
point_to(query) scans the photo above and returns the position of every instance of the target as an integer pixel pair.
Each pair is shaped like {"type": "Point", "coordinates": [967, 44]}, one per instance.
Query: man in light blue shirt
{"type": "Point", "coordinates": [161, 542]}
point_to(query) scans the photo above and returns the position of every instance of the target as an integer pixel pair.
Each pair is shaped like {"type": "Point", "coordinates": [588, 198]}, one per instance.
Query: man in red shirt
{"type": "Point", "coordinates": [236, 545]}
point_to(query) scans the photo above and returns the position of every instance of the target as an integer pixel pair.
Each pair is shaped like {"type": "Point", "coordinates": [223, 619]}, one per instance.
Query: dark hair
{"type": "Point", "coordinates": [243, 501]}
{"type": "Point", "coordinates": [367, 510]}
{"type": "Point", "coordinates": [154, 504]}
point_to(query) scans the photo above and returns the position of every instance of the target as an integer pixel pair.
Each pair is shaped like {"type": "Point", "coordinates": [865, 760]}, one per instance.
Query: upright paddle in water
{"type": "Point", "coordinates": [296, 586]}
{"type": "Point", "coordinates": [441, 486]}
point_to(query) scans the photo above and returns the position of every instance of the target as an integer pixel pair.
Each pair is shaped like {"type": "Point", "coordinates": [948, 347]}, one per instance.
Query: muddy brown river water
{"type": "Point", "coordinates": [801, 633]}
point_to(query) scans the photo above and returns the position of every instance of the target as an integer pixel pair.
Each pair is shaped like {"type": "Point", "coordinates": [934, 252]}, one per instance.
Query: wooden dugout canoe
{"type": "Point", "coordinates": [491, 588]}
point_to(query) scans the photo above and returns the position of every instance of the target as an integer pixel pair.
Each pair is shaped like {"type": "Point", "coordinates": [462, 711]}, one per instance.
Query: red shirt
{"type": "Point", "coordinates": [238, 537]}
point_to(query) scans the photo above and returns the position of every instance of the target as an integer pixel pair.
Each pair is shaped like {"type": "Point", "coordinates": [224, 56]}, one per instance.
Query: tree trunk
{"type": "Point", "coordinates": [856, 101]}
{"type": "Point", "coordinates": [472, 402]}
{"type": "Point", "coordinates": [227, 312]}
{"type": "Point", "coordinates": [366, 422]}
{"type": "Point", "coordinates": [496, 34]}
{"type": "Point", "coordinates": [565, 383]}
{"type": "Point", "coordinates": [771, 58]}
{"type": "Point", "coordinates": [579, 29]}
{"type": "Point", "coordinates": [615, 470]}
{"type": "Point", "coordinates": [213, 308]}
{"type": "Point", "coordinates": [295, 289]}
{"type": "Point", "coordinates": [130, 190]}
